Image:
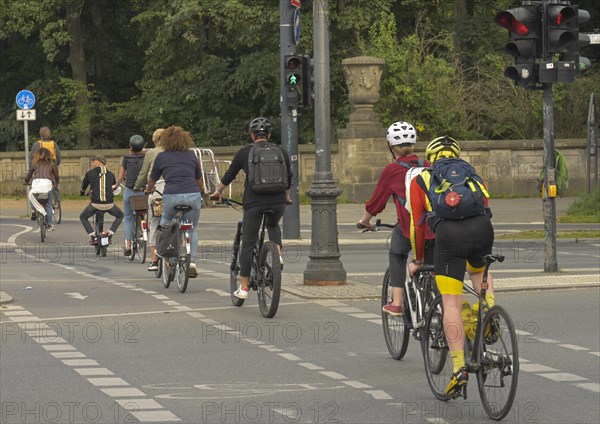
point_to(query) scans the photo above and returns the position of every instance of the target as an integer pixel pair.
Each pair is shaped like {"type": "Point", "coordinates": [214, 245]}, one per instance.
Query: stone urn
{"type": "Point", "coordinates": [363, 77]}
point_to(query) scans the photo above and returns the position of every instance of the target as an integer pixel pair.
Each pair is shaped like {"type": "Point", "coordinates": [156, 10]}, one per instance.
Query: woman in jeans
{"type": "Point", "coordinates": [182, 173]}
{"type": "Point", "coordinates": [44, 169]}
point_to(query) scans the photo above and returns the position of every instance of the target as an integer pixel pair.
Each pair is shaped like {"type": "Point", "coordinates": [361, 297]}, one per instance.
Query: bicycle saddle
{"type": "Point", "coordinates": [183, 208]}
{"type": "Point", "coordinates": [267, 211]}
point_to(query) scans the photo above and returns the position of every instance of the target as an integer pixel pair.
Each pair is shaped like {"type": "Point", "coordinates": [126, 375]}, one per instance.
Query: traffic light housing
{"type": "Point", "coordinates": [293, 79]}
{"type": "Point", "coordinates": [308, 82]}
{"type": "Point", "coordinates": [564, 40]}
{"type": "Point", "coordinates": [524, 25]}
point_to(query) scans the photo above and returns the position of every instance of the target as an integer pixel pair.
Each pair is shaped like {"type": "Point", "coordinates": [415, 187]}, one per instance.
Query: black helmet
{"type": "Point", "coordinates": [260, 124]}
{"type": "Point", "coordinates": [136, 142]}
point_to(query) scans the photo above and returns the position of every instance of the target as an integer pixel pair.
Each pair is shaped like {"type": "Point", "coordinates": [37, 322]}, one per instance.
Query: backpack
{"type": "Point", "coordinates": [133, 165]}
{"type": "Point", "coordinates": [411, 172]}
{"type": "Point", "coordinates": [267, 170]}
{"type": "Point", "coordinates": [167, 240]}
{"type": "Point", "coordinates": [456, 191]}
{"type": "Point", "coordinates": [50, 145]}
{"type": "Point", "coordinates": [561, 173]}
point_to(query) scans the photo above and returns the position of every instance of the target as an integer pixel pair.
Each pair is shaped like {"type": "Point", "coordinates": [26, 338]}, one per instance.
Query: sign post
{"type": "Point", "coordinates": [25, 101]}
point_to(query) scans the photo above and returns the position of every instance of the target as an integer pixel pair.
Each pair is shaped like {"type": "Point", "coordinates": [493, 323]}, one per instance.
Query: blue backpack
{"type": "Point", "coordinates": [456, 191]}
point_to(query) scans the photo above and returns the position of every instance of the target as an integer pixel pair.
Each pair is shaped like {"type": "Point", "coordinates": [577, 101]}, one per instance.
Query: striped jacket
{"type": "Point", "coordinates": [100, 180]}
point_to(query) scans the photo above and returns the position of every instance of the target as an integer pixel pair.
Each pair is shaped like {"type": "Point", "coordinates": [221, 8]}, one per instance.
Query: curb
{"type": "Point", "coordinates": [5, 298]}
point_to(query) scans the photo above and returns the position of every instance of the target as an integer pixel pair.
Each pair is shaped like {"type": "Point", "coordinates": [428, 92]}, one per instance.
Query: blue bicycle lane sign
{"type": "Point", "coordinates": [25, 99]}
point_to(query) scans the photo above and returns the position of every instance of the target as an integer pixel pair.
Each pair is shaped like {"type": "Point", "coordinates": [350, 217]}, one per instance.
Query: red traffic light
{"type": "Point", "coordinates": [507, 19]}
{"type": "Point", "coordinates": [293, 62]}
{"type": "Point", "coordinates": [560, 15]}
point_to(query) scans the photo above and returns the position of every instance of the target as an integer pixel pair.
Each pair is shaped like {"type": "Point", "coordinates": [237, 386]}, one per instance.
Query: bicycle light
{"type": "Point", "coordinates": [186, 226]}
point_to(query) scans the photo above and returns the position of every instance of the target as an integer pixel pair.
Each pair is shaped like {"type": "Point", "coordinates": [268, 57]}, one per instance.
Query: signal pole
{"type": "Point", "coordinates": [289, 117]}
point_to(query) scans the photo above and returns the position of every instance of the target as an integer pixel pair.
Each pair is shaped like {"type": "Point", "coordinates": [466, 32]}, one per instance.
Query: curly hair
{"type": "Point", "coordinates": [176, 139]}
{"type": "Point", "coordinates": [41, 155]}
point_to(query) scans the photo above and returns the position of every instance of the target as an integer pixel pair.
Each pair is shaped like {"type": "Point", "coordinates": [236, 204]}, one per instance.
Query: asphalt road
{"type": "Point", "coordinates": [91, 339]}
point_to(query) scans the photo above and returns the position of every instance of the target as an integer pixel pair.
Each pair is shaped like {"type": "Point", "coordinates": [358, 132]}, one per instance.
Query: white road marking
{"type": "Point", "coordinates": [183, 308]}
{"type": "Point", "coordinates": [270, 348]}
{"type": "Point", "coordinates": [17, 313]}
{"type": "Point", "coordinates": [155, 416]}
{"type": "Point", "coordinates": [379, 394]}
{"type": "Point", "coordinates": [347, 309]}
{"type": "Point", "coordinates": [563, 376]}
{"type": "Point", "coordinates": [535, 368]}
{"type": "Point", "coordinates": [12, 307]}
{"type": "Point", "coordinates": [94, 371]}
{"type": "Point", "coordinates": [365, 315]}
{"type": "Point", "coordinates": [80, 362]}
{"type": "Point", "coordinates": [46, 339]}
{"type": "Point", "coordinates": [13, 238]}
{"type": "Point", "coordinates": [128, 392]}
{"type": "Point", "coordinates": [76, 296]}
{"type": "Point", "coordinates": [24, 319]}
{"type": "Point", "coordinates": [546, 340]}
{"type": "Point", "coordinates": [573, 347]}
{"type": "Point", "coordinates": [592, 387]}
{"type": "Point", "coordinates": [160, 296]}
{"type": "Point", "coordinates": [171, 303]}
{"type": "Point", "coordinates": [56, 348]}
{"type": "Point", "coordinates": [67, 355]}
{"type": "Point", "coordinates": [376, 321]}
{"type": "Point", "coordinates": [138, 404]}
{"type": "Point", "coordinates": [594, 353]}
{"type": "Point", "coordinates": [149, 292]}
{"type": "Point", "coordinates": [357, 384]}
{"type": "Point", "coordinates": [196, 314]}
{"type": "Point", "coordinates": [290, 356]}
{"type": "Point", "coordinates": [107, 381]}
{"type": "Point", "coordinates": [310, 366]}
{"type": "Point", "coordinates": [219, 292]}
{"type": "Point", "coordinates": [334, 375]}
{"type": "Point", "coordinates": [329, 303]}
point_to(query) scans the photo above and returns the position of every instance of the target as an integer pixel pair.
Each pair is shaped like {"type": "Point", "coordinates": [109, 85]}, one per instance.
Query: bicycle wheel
{"type": "Point", "coordinates": [103, 251]}
{"type": "Point", "coordinates": [438, 364]}
{"type": "Point", "coordinates": [41, 220]}
{"type": "Point", "coordinates": [269, 287]}
{"type": "Point", "coordinates": [140, 249]}
{"type": "Point", "coordinates": [499, 358]}
{"type": "Point", "coordinates": [56, 206]}
{"type": "Point", "coordinates": [167, 274]}
{"type": "Point", "coordinates": [395, 332]}
{"type": "Point", "coordinates": [183, 266]}
{"type": "Point", "coordinates": [234, 268]}
{"type": "Point", "coordinates": [430, 292]}
{"type": "Point", "coordinates": [159, 272]}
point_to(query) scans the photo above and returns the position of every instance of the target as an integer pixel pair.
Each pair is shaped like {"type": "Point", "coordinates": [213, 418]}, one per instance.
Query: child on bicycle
{"type": "Point", "coordinates": [100, 181]}
{"type": "Point", "coordinates": [43, 175]}
{"type": "Point", "coordinates": [401, 138]}
{"type": "Point", "coordinates": [460, 244]}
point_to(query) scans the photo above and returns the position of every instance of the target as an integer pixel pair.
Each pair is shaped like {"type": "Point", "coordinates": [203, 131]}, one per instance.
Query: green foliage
{"type": "Point", "coordinates": [585, 209]}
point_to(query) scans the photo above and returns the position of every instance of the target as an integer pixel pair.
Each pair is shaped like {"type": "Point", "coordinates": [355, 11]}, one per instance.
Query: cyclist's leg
{"type": "Point", "coordinates": [480, 236]}
{"type": "Point", "coordinates": [195, 201]}
{"type": "Point", "coordinates": [85, 216]}
{"type": "Point", "coordinates": [48, 208]}
{"type": "Point", "coordinates": [128, 217]}
{"type": "Point", "coordinates": [154, 222]}
{"type": "Point", "coordinates": [398, 255]}
{"type": "Point", "coordinates": [272, 225]}
{"type": "Point", "coordinates": [250, 227]}
{"type": "Point", "coordinates": [118, 214]}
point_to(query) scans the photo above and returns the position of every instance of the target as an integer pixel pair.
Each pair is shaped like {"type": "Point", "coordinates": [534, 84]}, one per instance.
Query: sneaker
{"type": "Point", "coordinates": [192, 272]}
{"type": "Point", "coordinates": [33, 216]}
{"type": "Point", "coordinates": [50, 227]}
{"type": "Point", "coordinates": [94, 240]}
{"type": "Point", "coordinates": [127, 252]}
{"type": "Point", "coordinates": [458, 381]}
{"type": "Point", "coordinates": [281, 261]}
{"type": "Point", "coordinates": [240, 293]}
{"type": "Point", "coordinates": [153, 266]}
{"type": "Point", "coordinates": [395, 311]}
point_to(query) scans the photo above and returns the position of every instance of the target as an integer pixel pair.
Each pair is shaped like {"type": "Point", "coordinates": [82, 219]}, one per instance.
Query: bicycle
{"type": "Point", "coordinates": [265, 271]}
{"type": "Point", "coordinates": [493, 353]}
{"type": "Point", "coordinates": [178, 267]}
{"type": "Point", "coordinates": [40, 218]}
{"type": "Point", "coordinates": [103, 240]}
{"type": "Point", "coordinates": [56, 207]}
{"type": "Point", "coordinates": [419, 293]}
{"type": "Point", "coordinates": [139, 208]}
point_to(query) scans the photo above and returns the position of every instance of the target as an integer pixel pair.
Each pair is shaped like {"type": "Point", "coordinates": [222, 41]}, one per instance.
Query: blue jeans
{"type": "Point", "coordinates": [128, 213]}
{"type": "Point", "coordinates": [48, 208]}
{"type": "Point", "coordinates": [190, 199]}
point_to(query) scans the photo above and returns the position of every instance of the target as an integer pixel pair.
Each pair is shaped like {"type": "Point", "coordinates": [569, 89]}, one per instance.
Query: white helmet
{"type": "Point", "coordinates": [401, 133]}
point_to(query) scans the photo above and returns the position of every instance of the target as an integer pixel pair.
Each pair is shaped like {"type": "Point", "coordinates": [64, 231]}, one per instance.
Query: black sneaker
{"type": "Point", "coordinates": [458, 381]}
{"type": "Point", "coordinates": [33, 216]}
{"type": "Point", "coordinates": [153, 266]}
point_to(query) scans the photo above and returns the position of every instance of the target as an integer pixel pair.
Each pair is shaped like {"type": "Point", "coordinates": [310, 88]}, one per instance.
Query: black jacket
{"type": "Point", "coordinates": [100, 180]}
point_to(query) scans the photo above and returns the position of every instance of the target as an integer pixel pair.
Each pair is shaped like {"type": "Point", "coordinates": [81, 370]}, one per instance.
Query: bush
{"type": "Point", "coordinates": [585, 209]}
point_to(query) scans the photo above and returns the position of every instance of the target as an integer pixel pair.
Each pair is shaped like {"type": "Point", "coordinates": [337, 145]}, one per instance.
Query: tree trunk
{"type": "Point", "coordinates": [77, 61]}
{"type": "Point", "coordinates": [460, 18]}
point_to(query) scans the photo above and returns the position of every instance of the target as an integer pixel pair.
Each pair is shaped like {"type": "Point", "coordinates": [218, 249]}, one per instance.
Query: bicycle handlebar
{"type": "Point", "coordinates": [376, 227]}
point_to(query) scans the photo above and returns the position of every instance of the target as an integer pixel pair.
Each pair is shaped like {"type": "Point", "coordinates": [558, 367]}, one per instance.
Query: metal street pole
{"type": "Point", "coordinates": [26, 132]}
{"type": "Point", "coordinates": [324, 266]}
{"type": "Point", "coordinates": [592, 153]}
{"type": "Point", "coordinates": [289, 119]}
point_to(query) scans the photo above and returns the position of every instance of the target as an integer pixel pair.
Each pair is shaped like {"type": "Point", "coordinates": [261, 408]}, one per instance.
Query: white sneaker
{"type": "Point", "coordinates": [192, 272]}
{"type": "Point", "coordinates": [241, 293]}
{"type": "Point", "coordinates": [50, 227]}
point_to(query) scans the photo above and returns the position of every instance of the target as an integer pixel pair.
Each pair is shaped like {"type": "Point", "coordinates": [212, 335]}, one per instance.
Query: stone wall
{"type": "Point", "coordinates": [510, 168]}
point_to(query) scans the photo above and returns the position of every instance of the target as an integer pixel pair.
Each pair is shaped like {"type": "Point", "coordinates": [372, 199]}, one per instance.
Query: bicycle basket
{"type": "Point", "coordinates": [138, 203]}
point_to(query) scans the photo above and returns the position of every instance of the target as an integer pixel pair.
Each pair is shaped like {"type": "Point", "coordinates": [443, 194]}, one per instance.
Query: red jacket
{"type": "Point", "coordinates": [391, 183]}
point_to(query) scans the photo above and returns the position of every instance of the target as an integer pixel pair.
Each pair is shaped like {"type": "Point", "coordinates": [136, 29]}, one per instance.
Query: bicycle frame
{"type": "Point", "coordinates": [418, 311]}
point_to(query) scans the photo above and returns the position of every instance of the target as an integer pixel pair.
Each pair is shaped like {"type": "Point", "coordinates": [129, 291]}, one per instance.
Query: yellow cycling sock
{"type": "Point", "coordinates": [458, 359]}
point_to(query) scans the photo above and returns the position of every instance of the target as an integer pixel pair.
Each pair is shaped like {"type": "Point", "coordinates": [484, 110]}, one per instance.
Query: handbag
{"type": "Point", "coordinates": [167, 240]}
{"type": "Point", "coordinates": [157, 207]}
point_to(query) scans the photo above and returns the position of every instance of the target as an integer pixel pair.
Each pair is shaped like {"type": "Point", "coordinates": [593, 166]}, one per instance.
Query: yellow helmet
{"type": "Point", "coordinates": [442, 147]}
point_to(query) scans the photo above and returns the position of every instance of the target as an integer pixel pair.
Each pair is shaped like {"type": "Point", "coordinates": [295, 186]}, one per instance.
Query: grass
{"type": "Point", "coordinates": [539, 234]}
{"type": "Point", "coordinates": [586, 209]}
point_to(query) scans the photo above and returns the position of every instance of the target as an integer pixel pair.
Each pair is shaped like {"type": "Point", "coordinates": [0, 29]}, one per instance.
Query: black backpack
{"type": "Point", "coordinates": [167, 240]}
{"type": "Point", "coordinates": [267, 170]}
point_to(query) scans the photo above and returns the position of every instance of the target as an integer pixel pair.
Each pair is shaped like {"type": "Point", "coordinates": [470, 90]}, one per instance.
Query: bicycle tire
{"type": "Point", "coordinates": [133, 242]}
{"type": "Point", "coordinates": [57, 211]}
{"type": "Point", "coordinates": [158, 272]}
{"type": "Point", "coordinates": [182, 264]}
{"type": "Point", "coordinates": [42, 225]}
{"type": "Point", "coordinates": [141, 243]}
{"type": "Point", "coordinates": [103, 251]}
{"type": "Point", "coordinates": [166, 272]}
{"type": "Point", "coordinates": [269, 287]}
{"type": "Point", "coordinates": [438, 364]}
{"type": "Point", "coordinates": [499, 363]}
{"type": "Point", "coordinates": [430, 292]}
{"type": "Point", "coordinates": [234, 268]}
{"type": "Point", "coordinates": [395, 332]}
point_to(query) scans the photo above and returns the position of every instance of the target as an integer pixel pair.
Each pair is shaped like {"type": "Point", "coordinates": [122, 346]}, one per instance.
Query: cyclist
{"type": "Point", "coordinates": [100, 180]}
{"type": "Point", "coordinates": [401, 138]}
{"type": "Point", "coordinates": [43, 176]}
{"type": "Point", "coordinates": [184, 185]}
{"type": "Point", "coordinates": [141, 182]}
{"type": "Point", "coordinates": [459, 244]}
{"type": "Point", "coordinates": [130, 168]}
{"type": "Point", "coordinates": [254, 203]}
{"type": "Point", "coordinates": [47, 142]}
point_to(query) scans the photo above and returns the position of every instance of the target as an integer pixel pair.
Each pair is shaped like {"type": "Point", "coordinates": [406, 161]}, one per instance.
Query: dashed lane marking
{"type": "Point", "coordinates": [574, 347]}
{"type": "Point", "coordinates": [563, 376]}
{"type": "Point", "coordinates": [592, 387]}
